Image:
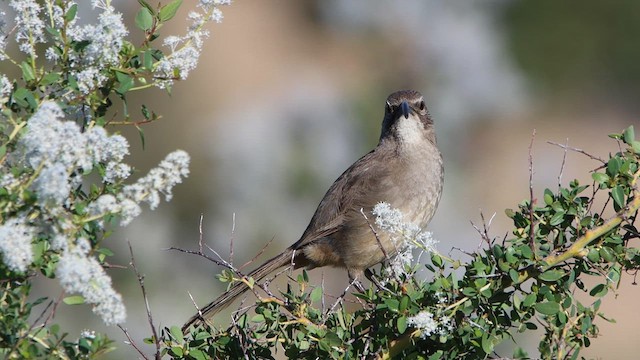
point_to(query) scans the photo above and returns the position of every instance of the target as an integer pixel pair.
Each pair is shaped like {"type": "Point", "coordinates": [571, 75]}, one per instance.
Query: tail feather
{"type": "Point", "coordinates": [238, 289]}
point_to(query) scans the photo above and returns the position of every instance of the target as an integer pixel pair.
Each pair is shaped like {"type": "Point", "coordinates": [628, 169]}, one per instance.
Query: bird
{"type": "Point", "coordinates": [405, 170]}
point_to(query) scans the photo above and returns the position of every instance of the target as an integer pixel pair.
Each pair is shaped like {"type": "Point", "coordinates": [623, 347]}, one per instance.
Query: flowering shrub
{"type": "Point", "coordinates": [64, 180]}
{"type": "Point", "coordinates": [456, 309]}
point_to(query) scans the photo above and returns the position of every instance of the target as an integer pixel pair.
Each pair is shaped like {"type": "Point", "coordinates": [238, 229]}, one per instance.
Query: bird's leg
{"type": "Point", "coordinates": [369, 274]}
{"type": "Point", "coordinates": [354, 279]}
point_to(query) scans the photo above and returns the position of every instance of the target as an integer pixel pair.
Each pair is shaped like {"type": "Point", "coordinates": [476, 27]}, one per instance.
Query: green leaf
{"type": "Point", "coordinates": [513, 274]}
{"type": "Point", "coordinates": [613, 166]}
{"type": "Point", "coordinates": [607, 254]}
{"type": "Point", "coordinates": [176, 333]}
{"type": "Point", "coordinates": [198, 354]}
{"type": "Point", "coordinates": [628, 135]}
{"type": "Point", "coordinates": [436, 260]}
{"type": "Point", "coordinates": [28, 74]}
{"type": "Point", "coordinates": [316, 294]}
{"type": "Point", "coordinates": [144, 19]}
{"type": "Point", "coordinates": [618, 195]}
{"type": "Point", "coordinates": [169, 11]}
{"type": "Point", "coordinates": [50, 78]}
{"type": "Point", "coordinates": [557, 219]}
{"type": "Point", "coordinates": [392, 304]}
{"type": "Point", "coordinates": [487, 343]}
{"type": "Point", "coordinates": [146, 6]}
{"type": "Point", "coordinates": [74, 300]}
{"type": "Point", "coordinates": [636, 147]}
{"type": "Point", "coordinates": [402, 324]}
{"type": "Point", "coordinates": [547, 308]}
{"type": "Point", "coordinates": [141, 134]}
{"type": "Point", "coordinates": [126, 82]}
{"type": "Point", "coordinates": [147, 60]}
{"type": "Point", "coordinates": [548, 197]}
{"type": "Point", "coordinates": [599, 290]}
{"type": "Point", "coordinates": [3, 151]}
{"type": "Point", "coordinates": [404, 303]}
{"type": "Point", "coordinates": [71, 13]}
{"type": "Point", "coordinates": [551, 275]}
{"type": "Point", "coordinates": [593, 255]}
{"type": "Point", "coordinates": [600, 178]}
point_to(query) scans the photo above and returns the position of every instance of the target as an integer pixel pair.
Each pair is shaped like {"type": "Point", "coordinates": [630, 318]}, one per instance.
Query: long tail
{"type": "Point", "coordinates": [239, 288]}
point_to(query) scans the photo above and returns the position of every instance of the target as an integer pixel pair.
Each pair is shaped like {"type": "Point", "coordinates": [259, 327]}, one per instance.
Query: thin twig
{"type": "Point", "coordinates": [564, 159]}
{"type": "Point", "coordinates": [200, 237]}
{"type": "Point", "coordinates": [578, 151]}
{"type": "Point", "coordinates": [156, 339]}
{"type": "Point", "coordinates": [264, 248]}
{"type": "Point", "coordinates": [484, 232]}
{"type": "Point", "coordinates": [199, 253]}
{"type": "Point", "coordinates": [133, 343]}
{"type": "Point", "coordinates": [233, 236]}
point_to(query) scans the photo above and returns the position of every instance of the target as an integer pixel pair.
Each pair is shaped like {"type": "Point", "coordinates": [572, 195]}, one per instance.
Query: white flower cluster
{"type": "Point", "coordinates": [59, 154]}
{"type": "Point", "coordinates": [406, 237]}
{"type": "Point", "coordinates": [3, 35]}
{"type": "Point", "coordinates": [185, 50]}
{"type": "Point", "coordinates": [15, 244]}
{"type": "Point", "coordinates": [29, 26]}
{"type": "Point", "coordinates": [62, 153]}
{"type": "Point", "coordinates": [5, 84]}
{"type": "Point", "coordinates": [428, 325]}
{"type": "Point", "coordinates": [104, 38]}
{"type": "Point", "coordinates": [160, 180]}
{"type": "Point", "coordinates": [81, 273]}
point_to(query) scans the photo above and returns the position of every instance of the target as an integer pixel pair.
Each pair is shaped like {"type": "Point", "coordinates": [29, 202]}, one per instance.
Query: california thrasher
{"type": "Point", "coordinates": [405, 170]}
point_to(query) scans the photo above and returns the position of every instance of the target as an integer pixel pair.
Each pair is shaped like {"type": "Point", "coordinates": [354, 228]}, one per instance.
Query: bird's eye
{"type": "Point", "coordinates": [422, 105]}
{"type": "Point", "coordinates": [388, 107]}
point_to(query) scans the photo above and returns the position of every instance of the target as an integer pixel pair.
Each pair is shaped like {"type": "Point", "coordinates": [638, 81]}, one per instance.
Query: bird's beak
{"type": "Point", "coordinates": [405, 109]}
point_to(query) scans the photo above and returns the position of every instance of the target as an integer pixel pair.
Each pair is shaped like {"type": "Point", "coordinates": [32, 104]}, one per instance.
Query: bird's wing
{"type": "Point", "coordinates": [344, 195]}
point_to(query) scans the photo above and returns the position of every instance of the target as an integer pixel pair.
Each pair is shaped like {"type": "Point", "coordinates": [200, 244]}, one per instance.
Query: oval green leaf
{"type": "Point", "coordinates": [618, 195]}
{"type": "Point", "coordinates": [548, 308]}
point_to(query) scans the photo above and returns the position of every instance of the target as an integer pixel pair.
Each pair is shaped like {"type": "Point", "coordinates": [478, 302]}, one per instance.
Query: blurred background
{"type": "Point", "coordinates": [289, 93]}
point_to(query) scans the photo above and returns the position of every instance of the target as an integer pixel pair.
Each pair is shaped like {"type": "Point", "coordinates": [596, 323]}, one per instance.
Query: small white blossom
{"type": "Point", "coordinates": [80, 273]}
{"type": "Point", "coordinates": [89, 79]}
{"type": "Point", "coordinates": [15, 244]}
{"type": "Point", "coordinates": [49, 139]}
{"type": "Point", "coordinates": [115, 171]}
{"type": "Point", "coordinates": [397, 265]}
{"type": "Point", "coordinates": [425, 322]}
{"type": "Point", "coordinates": [52, 54]}
{"type": "Point", "coordinates": [89, 334]}
{"type": "Point", "coordinates": [172, 42]}
{"type": "Point", "coordinates": [105, 204]}
{"type": "Point", "coordinates": [105, 148]}
{"type": "Point", "coordinates": [59, 242]}
{"type": "Point", "coordinates": [129, 211]}
{"type": "Point", "coordinates": [405, 236]}
{"type": "Point", "coordinates": [8, 180]}
{"type": "Point", "coordinates": [105, 40]}
{"type": "Point", "coordinates": [388, 218]}
{"type": "Point", "coordinates": [52, 185]}
{"type": "Point", "coordinates": [5, 86]}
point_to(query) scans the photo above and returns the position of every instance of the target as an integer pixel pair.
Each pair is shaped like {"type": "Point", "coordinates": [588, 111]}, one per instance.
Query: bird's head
{"type": "Point", "coordinates": [406, 118]}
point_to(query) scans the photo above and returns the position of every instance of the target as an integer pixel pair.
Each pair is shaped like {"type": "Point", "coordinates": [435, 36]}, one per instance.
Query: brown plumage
{"type": "Point", "coordinates": [404, 169]}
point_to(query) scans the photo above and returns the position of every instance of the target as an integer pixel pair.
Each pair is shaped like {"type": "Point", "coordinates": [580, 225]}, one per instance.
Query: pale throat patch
{"type": "Point", "coordinates": [410, 130]}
